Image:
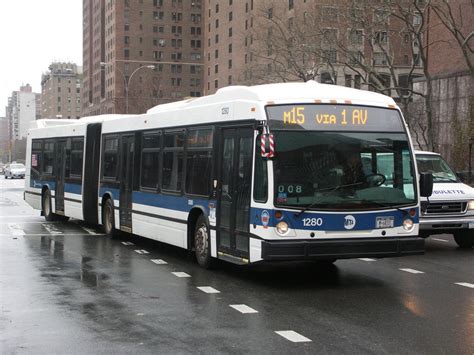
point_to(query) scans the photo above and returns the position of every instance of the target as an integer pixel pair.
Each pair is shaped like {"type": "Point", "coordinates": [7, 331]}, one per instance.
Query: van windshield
{"type": "Point", "coordinates": [437, 166]}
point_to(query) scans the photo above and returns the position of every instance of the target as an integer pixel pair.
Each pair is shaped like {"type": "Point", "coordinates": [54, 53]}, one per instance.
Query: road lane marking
{"type": "Point", "coordinates": [180, 274]}
{"type": "Point", "coordinates": [127, 243]}
{"type": "Point", "coordinates": [292, 336]}
{"type": "Point", "coordinates": [208, 289]}
{"type": "Point", "coordinates": [158, 261]}
{"type": "Point", "coordinates": [16, 230]}
{"type": "Point", "coordinates": [243, 308]}
{"type": "Point", "coordinates": [141, 251]}
{"type": "Point", "coordinates": [441, 240]}
{"type": "Point", "coordinates": [465, 284]}
{"type": "Point", "coordinates": [51, 228]}
{"type": "Point", "coordinates": [412, 271]}
{"type": "Point", "coordinates": [90, 231]}
{"type": "Point", "coordinates": [366, 259]}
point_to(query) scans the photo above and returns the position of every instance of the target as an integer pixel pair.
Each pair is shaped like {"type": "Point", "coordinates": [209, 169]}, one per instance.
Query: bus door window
{"type": "Point", "coordinates": [227, 190]}
{"type": "Point", "coordinates": [260, 189]}
{"type": "Point", "coordinates": [244, 180]}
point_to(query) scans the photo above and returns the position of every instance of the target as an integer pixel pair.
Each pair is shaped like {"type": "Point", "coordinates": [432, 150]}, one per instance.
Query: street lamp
{"type": "Point", "coordinates": [125, 80]}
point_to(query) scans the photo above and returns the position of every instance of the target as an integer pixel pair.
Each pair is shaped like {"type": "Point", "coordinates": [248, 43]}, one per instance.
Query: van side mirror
{"type": "Point", "coordinates": [426, 184]}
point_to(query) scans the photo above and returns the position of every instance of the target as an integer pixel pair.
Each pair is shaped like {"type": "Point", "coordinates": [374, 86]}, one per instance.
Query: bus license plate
{"type": "Point", "coordinates": [384, 222]}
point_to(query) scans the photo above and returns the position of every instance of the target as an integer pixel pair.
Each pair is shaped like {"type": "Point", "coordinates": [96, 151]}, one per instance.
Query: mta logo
{"type": "Point", "coordinates": [349, 222]}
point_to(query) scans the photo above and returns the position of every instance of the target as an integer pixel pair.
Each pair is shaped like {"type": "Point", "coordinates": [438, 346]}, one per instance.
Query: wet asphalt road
{"type": "Point", "coordinates": [65, 288]}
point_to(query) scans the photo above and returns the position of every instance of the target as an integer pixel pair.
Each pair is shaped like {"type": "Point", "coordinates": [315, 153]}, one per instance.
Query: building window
{"type": "Point", "coordinates": [380, 59]}
{"type": "Point", "coordinates": [230, 47]}
{"type": "Point", "coordinates": [230, 31]}
{"type": "Point", "coordinates": [230, 16]}
{"type": "Point", "coordinates": [290, 4]}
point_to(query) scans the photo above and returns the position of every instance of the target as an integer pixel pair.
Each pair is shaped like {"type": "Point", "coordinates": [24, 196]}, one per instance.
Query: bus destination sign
{"type": "Point", "coordinates": [334, 118]}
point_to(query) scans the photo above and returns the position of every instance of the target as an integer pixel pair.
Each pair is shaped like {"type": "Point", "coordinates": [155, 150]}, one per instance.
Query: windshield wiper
{"type": "Point", "coordinates": [384, 205]}
{"type": "Point", "coordinates": [327, 190]}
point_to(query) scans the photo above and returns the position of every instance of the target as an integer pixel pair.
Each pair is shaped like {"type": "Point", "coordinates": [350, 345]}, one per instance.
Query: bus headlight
{"type": "Point", "coordinates": [408, 224]}
{"type": "Point", "coordinates": [470, 205]}
{"type": "Point", "coordinates": [282, 228]}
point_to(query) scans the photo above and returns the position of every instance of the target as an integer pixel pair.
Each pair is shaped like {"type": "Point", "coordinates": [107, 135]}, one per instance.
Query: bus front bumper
{"type": "Point", "coordinates": [342, 248]}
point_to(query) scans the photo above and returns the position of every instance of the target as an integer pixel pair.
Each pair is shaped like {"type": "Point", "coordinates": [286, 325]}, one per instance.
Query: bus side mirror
{"type": "Point", "coordinates": [426, 184]}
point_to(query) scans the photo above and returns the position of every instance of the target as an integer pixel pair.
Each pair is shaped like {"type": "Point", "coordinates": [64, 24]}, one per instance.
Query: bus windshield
{"type": "Point", "coordinates": [342, 170]}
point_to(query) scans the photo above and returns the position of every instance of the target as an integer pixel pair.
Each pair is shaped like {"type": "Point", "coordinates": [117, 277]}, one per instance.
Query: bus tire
{"type": "Point", "coordinates": [202, 243]}
{"type": "Point", "coordinates": [47, 207]}
{"type": "Point", "coordinates": [464, 239]}
{"type": "Point", "coordinates": [108, 218]}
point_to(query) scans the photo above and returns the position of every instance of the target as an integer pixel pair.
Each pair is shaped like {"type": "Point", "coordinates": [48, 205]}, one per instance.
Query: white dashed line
{"type": "Point", "coordinates": [412, 271]}
{"type": "Point", "coordinates": [366, 259]}
{"type": "Point", "coordinates": [127, 243]}
{"type": "Point", "coordinates": [51, 228]}
{"type": "Point", "coordinates": [440, 240]}
{"type": "Point", "coordinates": [180, 274]}
{"type": "Point", "coordinates": [90, 231]}
{"type": "Point", "coordinates": [142, 251]}
{"type": "Point", "coordinates": [16, 230]}
{"type": "Point", "coordinates": [208, 289]}
{"type": "Point", "coordinates": [292, 336]}
{"type": "Point", "coordinates": [158, 261]}
{"type": "Point", "coordinates": [242, 308]}
{"type": "Point", "coordinates": [465, 284]}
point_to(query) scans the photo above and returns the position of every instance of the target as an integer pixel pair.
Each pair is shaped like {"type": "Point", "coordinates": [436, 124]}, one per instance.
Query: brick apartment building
{"type": "Point", "coordinates": [123, 39]}
{"type": "Point", "coordinates": [61, 91]}
{"type": "Point", "coordinates": [245, 41]}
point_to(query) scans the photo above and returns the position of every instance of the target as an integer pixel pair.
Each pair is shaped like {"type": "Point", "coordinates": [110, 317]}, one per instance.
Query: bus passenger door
{"type": "Point", "coordinates": [235, 176]}
{"type": "Point", "coordinates": [60, 176]}
{"type": "Point", "coordinates": [126, 182]}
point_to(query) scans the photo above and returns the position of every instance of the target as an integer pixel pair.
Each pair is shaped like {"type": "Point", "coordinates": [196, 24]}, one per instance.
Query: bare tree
{"type": "Point", "coordinates": [453, 19]}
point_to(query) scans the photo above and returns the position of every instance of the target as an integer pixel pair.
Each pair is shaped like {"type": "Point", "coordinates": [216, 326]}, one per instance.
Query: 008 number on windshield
{"type": "Point", "coordinates": [290, 189]}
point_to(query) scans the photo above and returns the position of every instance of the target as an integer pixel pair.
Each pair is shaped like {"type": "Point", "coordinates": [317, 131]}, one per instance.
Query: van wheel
{"type": "Point", "coordinates": [464, 238]}
{"type": "Point", "coordinates": [202, 243]}
{"type": "Point", "coordinates": [46, 206]}
{"type": "Point", "coordinates": [108, 218]}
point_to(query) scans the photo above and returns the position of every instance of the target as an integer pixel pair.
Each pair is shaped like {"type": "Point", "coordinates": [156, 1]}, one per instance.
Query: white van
{"type": "Point", "coordinates": [450, 209]}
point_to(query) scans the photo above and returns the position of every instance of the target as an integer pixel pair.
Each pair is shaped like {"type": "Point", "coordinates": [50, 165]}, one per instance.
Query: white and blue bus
{"type": "Point", "coordinates": [264, 173]}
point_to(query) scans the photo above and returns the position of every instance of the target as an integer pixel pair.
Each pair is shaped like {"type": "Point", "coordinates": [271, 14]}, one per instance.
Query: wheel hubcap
{"type": "Point", "coordinates": [201, 241]}
{"type": "Point", "coordinates": [47, 207]}
{"type": "Point", "coordinates": [108, 219]}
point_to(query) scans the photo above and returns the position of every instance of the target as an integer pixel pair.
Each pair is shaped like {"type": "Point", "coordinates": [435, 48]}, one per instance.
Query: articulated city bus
{"type": "Point", "coordinates": [264, 173]}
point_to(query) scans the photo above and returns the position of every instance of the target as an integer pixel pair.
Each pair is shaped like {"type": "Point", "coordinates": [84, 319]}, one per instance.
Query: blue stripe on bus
{"type": "Point", "coordinates": [176, 203]}
{"type": "Point", "coordinates": [329, 221]}
{"type": "Point", "coordinates": [73, 188]}
{"type": "Point", "coordinates": [68, 187]}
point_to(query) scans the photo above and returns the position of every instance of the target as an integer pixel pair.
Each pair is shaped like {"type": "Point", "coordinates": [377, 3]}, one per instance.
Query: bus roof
{"type": "Point", "coordinates": [280, 93]}
{"type": "Point", "coordinates": [54, 122]}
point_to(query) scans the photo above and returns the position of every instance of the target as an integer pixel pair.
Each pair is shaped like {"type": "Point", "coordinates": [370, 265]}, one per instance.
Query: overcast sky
{"type": "Point", "coordinates": [34, 33]}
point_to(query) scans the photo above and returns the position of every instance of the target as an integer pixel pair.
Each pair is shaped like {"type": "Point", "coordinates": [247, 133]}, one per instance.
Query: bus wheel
{"type": "Point", "coordinates": [202, 243]}
{"type": "Point", "coordinates": [108, 218]}
{"type": "Point", "coordinates": [46, 206]}
{"type": "Point", "coordinates": [464, 238]}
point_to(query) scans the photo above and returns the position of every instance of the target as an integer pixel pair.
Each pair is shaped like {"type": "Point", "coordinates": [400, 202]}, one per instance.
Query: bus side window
{"type": "Point", "coordinates": [48, 158]}
{"type": "Point", "coordinates": [151, 144]}
{"type": "Point", "coordinates": [109, 168]}
{"type": "Point", "coordinates": [199, 161]}
{"type": "Point", "coordinates": [260, 188]}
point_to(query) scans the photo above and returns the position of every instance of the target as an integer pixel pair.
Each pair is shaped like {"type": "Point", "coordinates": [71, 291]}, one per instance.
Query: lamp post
{"type": "Point", "coordinates": [125, 80]}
